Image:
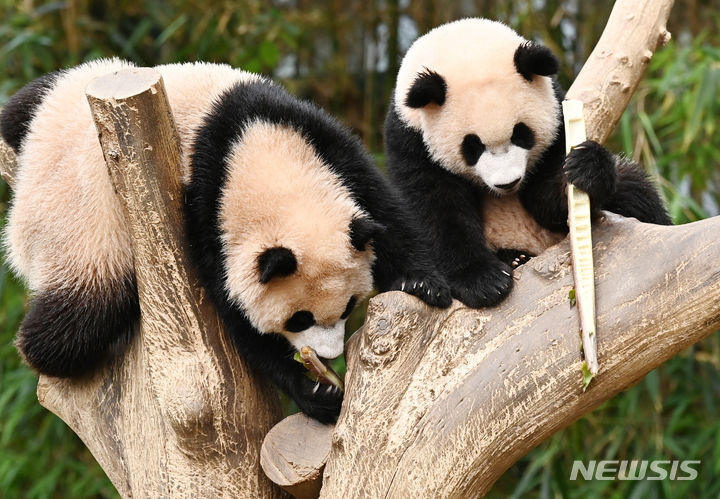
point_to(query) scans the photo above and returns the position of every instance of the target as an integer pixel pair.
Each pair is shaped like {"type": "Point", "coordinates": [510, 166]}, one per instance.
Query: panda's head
{"type": "Point", "coordinates": [482, 98]}
{"type": "Point", "coordinates": [297, 249]}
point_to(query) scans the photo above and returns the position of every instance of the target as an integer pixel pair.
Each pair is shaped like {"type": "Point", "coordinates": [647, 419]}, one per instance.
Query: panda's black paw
{"type": "Point", "coordinates": [520, 260]}
{"type": "Point", "coordinates": [321, 402]}
{"type": "Point", "coordinates": [483, 286]}
{"type": "Point", "coordinates": [591, 167]}
{"type": "Point", "coordinates": [514, 258]}
{"type": "Point", "coordinates": [432, 289]}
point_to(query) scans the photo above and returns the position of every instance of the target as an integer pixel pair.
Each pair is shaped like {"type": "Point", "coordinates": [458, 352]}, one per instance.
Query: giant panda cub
{"type": "Point", "coordinates": [475, 140]}
{"type": "Point", "coordinates": [289, 224]}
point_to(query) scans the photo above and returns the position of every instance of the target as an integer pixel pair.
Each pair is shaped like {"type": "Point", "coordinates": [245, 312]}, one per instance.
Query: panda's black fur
{"type": "Point", "coordinates": [19, 111]}
{"type": "Point", "coordinates": [402, 262]}
{"type": "Point", "coordinates": [450, 206]}
{"type": "Point", "coordinates": [71, 330]}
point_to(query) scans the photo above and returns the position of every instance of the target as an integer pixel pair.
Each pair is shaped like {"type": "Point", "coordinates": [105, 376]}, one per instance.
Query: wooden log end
{"type": "Point", "coordinates": [123, 84]}
{"type": "Point", "coordinates": [294, 454]}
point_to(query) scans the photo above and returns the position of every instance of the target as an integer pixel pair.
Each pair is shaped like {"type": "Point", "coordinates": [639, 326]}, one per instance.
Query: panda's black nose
{"type": "Point", "coordinates": [509, 185]}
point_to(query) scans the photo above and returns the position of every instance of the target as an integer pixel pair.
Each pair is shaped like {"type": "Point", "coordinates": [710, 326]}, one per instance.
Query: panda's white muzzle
{"type": "Point", "coordinates": [328, 342]}
{"type": "Point", "coordinates": [502, 170]}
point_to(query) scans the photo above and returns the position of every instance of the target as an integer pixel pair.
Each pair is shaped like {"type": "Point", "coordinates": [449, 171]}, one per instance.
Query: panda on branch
{"type": "Point", "coordinates": [289, 224]}
{"type": "Point", "coordinates": [475, 141]}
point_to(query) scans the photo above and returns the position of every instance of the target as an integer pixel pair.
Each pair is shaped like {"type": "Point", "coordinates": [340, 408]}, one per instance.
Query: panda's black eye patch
{"type": "Point", "coordinates": [300, 321]}
{"type": "Point", "coordinates": [472, 148]}
{"type": "Point", "coordinates": [350, 307]}
{"type": "Point", "coordinates": [522, 136]}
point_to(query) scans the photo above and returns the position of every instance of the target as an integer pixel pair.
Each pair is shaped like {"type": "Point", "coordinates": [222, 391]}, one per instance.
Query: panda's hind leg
{"type": "Point", "coordinates": [71, 331]}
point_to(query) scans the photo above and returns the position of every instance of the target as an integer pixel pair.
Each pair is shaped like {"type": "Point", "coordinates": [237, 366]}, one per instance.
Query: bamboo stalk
{"type": "Point", "coordinates": [579, 221]}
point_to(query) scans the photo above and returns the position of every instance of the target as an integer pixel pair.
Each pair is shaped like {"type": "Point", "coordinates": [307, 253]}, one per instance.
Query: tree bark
{"type": "Point", "coordinates": [441, 403]}
{"type": "Point", "coordinates": [634, 31]}
{"type": "Point", "coordinates": [179, 413]}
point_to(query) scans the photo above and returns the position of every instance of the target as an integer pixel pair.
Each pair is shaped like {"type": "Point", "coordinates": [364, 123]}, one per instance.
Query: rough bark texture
{"type": "Point", "coordinates": [634, 31]}
{"type": "Point", "coordinates": [440, 404]}
{"type": "Point", "coordinates": [7, 163]}
{"type": "Point", "coordinates": [179, 414]}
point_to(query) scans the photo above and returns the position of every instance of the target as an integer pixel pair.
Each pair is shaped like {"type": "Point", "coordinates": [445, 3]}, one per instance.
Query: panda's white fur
{"type": "Point", "coordinates": [475, 140]}
{"type": "Point", "coordinates": [280, 193]}
{"type": "Point", "coordinates": [288, 222]}
{"type": "Point", "coordinates": [73, 228]}
{"type": "Point", "coordinates": [485, 96]}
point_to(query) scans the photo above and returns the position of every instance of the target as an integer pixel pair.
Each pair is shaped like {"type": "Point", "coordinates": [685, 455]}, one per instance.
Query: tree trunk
{"type": "Point", "coordinates": [179, 414]}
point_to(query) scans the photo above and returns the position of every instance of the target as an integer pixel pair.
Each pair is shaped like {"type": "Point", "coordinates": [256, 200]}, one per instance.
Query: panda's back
{"type": "Point", "coordinates": [65, 222]}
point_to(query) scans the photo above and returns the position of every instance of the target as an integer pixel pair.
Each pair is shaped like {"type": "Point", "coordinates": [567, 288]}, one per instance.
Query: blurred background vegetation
{"type": "Point", "coordinates": [344, 55]}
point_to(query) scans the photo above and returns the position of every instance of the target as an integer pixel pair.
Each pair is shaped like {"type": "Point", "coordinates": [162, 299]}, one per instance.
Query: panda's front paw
{"type": "Point", "coordinates": [591, 167]}
{"type": "Point", "coordinates": [432, 289]}
{"type": "Point", "coordinates": [321, 402]}
{"type": "Point", "coordinates": [483, 286]}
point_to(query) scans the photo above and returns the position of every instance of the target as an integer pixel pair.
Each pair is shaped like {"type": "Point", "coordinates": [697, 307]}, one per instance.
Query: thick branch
{"type": "Point", "coordinates": [179, 413]}
{"type": "Point", "coordinates": [635, 30]}
{"type": "Point", "coordinates": [440, 404]}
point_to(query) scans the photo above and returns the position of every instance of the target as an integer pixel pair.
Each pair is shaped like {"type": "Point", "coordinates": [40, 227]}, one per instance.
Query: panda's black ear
{"type": "Point", "coordinates": [428, 87]}
{"type": "Point", "coordinates": [276, 262]}
{"type": "Point", "coordinates": [534, 59]}
{"type": "Point", "coordinates": [362, 230]}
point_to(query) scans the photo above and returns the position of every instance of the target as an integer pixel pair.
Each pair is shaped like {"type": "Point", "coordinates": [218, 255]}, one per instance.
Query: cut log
{"type": "Point", "coordinates": [294, 454]}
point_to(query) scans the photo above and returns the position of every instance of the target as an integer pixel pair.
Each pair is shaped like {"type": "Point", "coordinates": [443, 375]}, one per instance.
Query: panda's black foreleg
{"type": "Point", "coordinates": [71, 331]}
{"type": "Point", "coordinates": [403, 259]}
{"type": "Point", "coordinates": [591, 168]}
{"type": "Point", "coordinates": [483, 282]}
{"type": "Point", "coordinates": [403, 264]}
{"type": "Point", "coordinates": [615, 184]}
{"type": "Point", "coordinates": [272, 356]}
